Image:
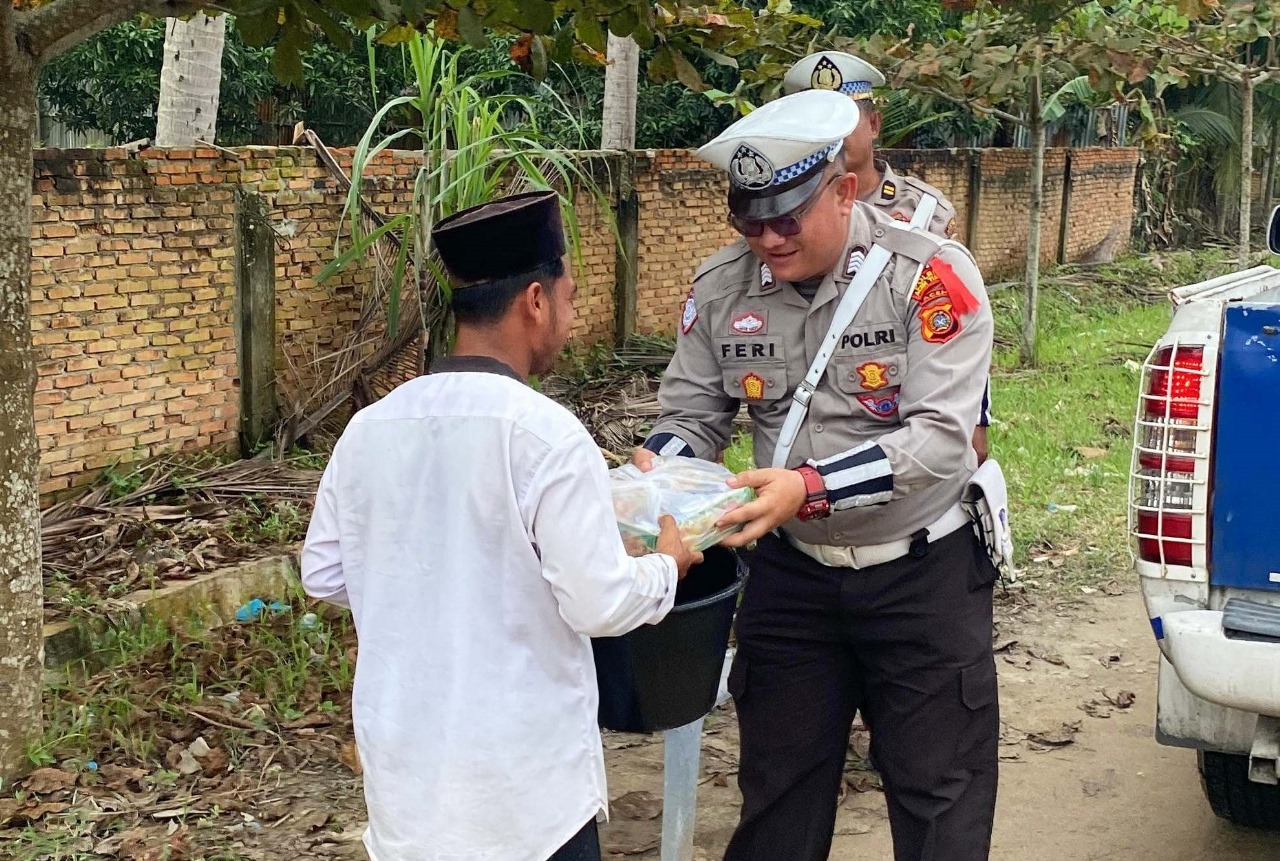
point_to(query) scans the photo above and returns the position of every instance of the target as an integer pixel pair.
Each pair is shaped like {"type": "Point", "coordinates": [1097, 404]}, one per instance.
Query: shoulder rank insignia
{"type": "Point", "coordinates": [888, 190]}
{"type": "Point", "coordinates": [857, 256]}
{"type": "Point", "coordinates": [689, 315]}
{"type": "Point", "coordinates": [766, 277]}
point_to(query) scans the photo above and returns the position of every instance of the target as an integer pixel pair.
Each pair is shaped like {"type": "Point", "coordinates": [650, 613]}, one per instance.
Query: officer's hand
{"type": "Point", "coordinates": [779, 492]}
{"type": "Point", "coordinates": [642, 458]}
{"type": "Point", "coordinates": [980, 444]}
{"type": "Point", "coordinates": [671, 542]}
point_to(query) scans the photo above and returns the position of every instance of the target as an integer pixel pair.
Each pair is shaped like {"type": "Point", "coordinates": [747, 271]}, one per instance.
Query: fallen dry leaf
{"type": "Point", "coordinates": [1058, 737]}
{"type": "Point", "coordinates": [1122, 700]}
{"type": "Point", "coordinates": [349, 756]}
{"type": "Point", "coordinates": [45, 780]}
{"type": "Point", "coordinates": [1090, 453]}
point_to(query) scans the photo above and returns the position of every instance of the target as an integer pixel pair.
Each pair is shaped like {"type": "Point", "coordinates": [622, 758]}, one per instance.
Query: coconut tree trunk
{"type": "Point", "coordinates": [20, 586]}
{"type": "Point", "coordinates": [621, 80]}
{"type": "Point", "coordinates": [1246, 167]}
{"type": "Point", "coordinates": [190, 80]}
{"type": "Point", "coordinates": [1031, 309]}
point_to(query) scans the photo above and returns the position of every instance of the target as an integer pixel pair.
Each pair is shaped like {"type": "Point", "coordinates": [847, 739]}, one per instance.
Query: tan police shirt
{"type": "Point", "coordinates": [898, 196]}
{"type": "Point", "coordinates": [889, 426]}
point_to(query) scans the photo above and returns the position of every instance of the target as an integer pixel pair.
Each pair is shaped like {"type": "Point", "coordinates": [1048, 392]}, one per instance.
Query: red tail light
{"type": "Point", "coordinates": [1174, 390]}
{"type": "Point", "coordinates": [1167, 526]}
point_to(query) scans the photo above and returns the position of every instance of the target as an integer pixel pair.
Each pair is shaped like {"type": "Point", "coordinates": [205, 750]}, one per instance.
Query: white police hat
{"type": "Point", "coordinates": [833, 70]}
{"type": "Point", "coordinates": [777, 154]}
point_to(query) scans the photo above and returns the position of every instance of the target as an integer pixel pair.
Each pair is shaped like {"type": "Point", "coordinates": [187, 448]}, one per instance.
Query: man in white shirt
{"type": "Point", "coordinates": [467, 522]}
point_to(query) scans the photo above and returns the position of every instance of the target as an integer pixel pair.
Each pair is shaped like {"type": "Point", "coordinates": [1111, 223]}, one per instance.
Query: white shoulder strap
{"type": "Point", "coordinates": [854, 295]}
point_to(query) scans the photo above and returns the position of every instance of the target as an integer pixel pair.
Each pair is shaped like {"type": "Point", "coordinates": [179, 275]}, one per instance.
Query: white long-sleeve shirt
{"type": "Point", "coordinates": [466, 521]}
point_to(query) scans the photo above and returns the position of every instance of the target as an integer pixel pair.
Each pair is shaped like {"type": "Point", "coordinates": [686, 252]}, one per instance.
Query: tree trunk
{"type": "Point", "coordinates": [1246, 167]}
{"type": "Point", "coordinates": [190, 80]}
{"type": "Point", "coordinates": [20, 584]}
{"type": "Point", "coordinates": [621, 80]}
{"type": "Point", "coordinates": [1030, 310]}
{"type": "Point", "coordinates": [1269, 178]}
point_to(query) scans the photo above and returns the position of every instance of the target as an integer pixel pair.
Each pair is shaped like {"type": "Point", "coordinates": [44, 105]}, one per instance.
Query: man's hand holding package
{"type": "Point", "coordinates": [671, 543]}
{"type": "Point", "coordinates": [779, 495]}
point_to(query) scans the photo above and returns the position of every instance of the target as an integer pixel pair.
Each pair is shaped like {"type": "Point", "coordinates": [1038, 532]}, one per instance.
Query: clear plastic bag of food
{"type": "Point", "coordinates": [692, 491]}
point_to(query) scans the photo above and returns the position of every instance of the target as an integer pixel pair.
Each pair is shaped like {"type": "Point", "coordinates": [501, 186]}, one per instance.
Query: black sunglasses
{"type": "Point", "coordinates": [783, 225]}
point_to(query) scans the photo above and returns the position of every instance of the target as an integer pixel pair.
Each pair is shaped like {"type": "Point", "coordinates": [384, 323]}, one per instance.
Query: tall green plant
{"type": "Point", "coordinates": [475, 147]}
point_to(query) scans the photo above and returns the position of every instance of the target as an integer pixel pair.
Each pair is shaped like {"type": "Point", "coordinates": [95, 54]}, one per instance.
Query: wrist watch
{"type": "Point", "coordinates": [815, 505]}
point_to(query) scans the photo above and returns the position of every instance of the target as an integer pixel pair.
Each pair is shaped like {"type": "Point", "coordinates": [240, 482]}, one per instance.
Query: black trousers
{"type": "Point", "coordinates": [584, 846]}
{"type": "Point", "coordinates": [909, 644]}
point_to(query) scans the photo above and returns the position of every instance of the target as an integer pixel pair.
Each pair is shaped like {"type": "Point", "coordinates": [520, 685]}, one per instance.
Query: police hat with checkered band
{"type": "Point", "coordinates": [833, 70]}
{"type": "Point", "coordinates": [777, 155]}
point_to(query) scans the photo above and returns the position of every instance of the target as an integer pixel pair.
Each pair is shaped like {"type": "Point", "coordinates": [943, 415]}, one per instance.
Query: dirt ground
{"type": "Point", "coordinates": [1081, 777]}
{"type": "Point", "coordinates": [1109, 792]}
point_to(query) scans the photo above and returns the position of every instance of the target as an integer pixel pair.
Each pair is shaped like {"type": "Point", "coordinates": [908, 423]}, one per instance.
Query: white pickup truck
{"type": "Point", "coordinates": [1204, 514]}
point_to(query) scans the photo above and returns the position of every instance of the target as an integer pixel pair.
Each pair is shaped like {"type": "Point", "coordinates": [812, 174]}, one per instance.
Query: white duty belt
{"type": "Point", "coordinates": [854, 295]}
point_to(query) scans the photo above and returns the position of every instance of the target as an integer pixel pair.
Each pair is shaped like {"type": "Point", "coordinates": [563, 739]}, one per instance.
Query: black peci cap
{"type": "Point", "coordinates": [501, 238]}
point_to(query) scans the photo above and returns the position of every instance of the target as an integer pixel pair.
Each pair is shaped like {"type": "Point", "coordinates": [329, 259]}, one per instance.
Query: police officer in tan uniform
{"type": "Point", "coordinates": [869, 589]}
{"type": "Point", "coordinates": [897, 195]}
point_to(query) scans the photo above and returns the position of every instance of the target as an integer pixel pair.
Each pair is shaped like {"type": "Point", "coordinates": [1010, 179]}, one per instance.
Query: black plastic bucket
{"type": "Point", "coordinates": [662, 676]}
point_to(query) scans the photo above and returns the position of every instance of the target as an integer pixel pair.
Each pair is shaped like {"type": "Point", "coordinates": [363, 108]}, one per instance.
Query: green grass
{"type": "Point", "coordinates": [1096, 328]}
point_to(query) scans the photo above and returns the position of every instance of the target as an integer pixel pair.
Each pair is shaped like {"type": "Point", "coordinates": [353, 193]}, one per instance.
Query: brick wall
{"type": "Point", "coordinates": [133, 272]}
{"type": "Point", "coordinates": [682, 221]}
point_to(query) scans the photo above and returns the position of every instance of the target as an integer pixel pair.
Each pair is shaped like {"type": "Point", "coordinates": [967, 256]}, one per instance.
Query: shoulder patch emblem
{"type": "Point", "coordinates": [750, 323]}
{"type": "Point", "coordinates": [929, 287]}
{"type": "Point", "coordinates": [888, 190]}
{"type": "Point", "coordinates": [882, 405]}
{"type": "Point", "coordinates": [873, 375]}
{"type": "Point", "coordinates": [766, 277]}
{"type": "Point", "coordinates": [950, 229]}
{"type": "Point", "coordinates": [857, 256]}
{"type": "Point", "coordinates": [938, 323]}
{"type": "Point", "coordinates": [689, 315]}
{"type": "Point", "coordinates": [753, 387]}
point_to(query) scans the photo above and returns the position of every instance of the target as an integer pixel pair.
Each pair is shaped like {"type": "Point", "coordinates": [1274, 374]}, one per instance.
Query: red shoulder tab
{"type": "Point", "coordinates": [962, 300]}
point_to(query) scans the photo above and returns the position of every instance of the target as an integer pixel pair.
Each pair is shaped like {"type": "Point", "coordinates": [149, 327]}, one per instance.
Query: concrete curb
{"type": "Point", "coordinates": [211, 599]}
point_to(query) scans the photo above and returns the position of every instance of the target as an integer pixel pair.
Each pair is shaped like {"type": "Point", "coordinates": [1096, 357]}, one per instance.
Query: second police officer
{"type": "Point", "coordinates": [878, 183]}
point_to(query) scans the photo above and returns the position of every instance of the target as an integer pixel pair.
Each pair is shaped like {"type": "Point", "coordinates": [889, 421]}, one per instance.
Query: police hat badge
{"type": "Point", "coordinates": [750, 169]}
{"type": "Point", "coordinates": [826, 75]}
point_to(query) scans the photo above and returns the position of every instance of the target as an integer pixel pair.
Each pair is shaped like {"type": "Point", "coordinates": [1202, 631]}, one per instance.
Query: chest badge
{"type": "Point", "coordinates": [874, 375]}
{"type": "Point", "coordinates": [883, 405]}
{"type": "Point", "coordinates": [753, 387]}
{"type": "Point", "coordinates": [899, 215]}
{"type": "Point", "coordinates": [750, 323]}
{"type": "Point", "coordinates": [938, 323]}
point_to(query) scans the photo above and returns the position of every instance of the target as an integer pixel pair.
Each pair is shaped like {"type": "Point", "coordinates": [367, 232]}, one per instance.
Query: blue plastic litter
{"type": "Point", "coordinates": [91, 765]}
{"type": "Point", "coordinates": [254, 609]}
